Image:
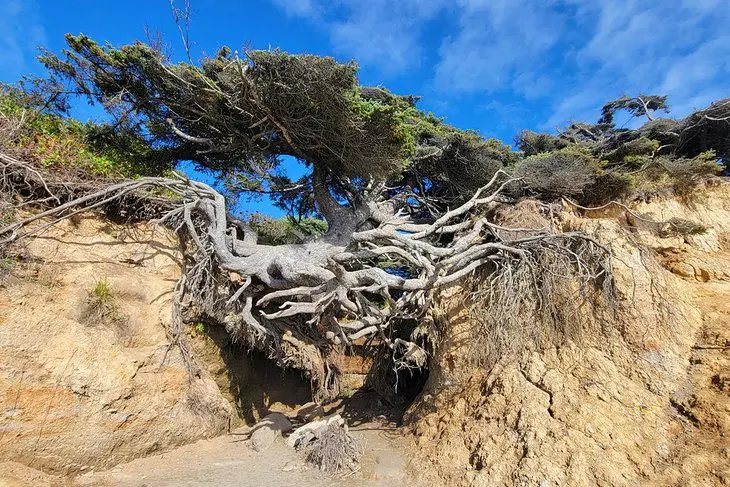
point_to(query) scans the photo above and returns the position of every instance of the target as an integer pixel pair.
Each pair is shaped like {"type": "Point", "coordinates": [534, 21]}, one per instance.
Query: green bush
{"type": "Point", "coordinates": [102, 306]}
{"type": "Point", "coordinates": [608, 186]}
{"type": "Point", "coordinates": [566, 172]}
{"type": "Point", "coordinates": [65, 143]}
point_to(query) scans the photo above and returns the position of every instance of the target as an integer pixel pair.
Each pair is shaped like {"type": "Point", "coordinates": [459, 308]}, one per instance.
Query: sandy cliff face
{"type": "Point", "coordinates": [78, 392]}
{"type": "Point", "coordinates": [641, 399]}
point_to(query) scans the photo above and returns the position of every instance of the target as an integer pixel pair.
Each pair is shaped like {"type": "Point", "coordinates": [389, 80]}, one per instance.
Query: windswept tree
{"type": "Point", "coordinates": [406, 198]}
{"type": "Point", "coordinates": [637, 106]}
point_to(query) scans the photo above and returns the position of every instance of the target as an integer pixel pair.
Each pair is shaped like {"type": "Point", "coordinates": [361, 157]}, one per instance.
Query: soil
{"type": "Point", "coordinates": [642, 399]}
{"type": "Point", "coordinates": [228, 461]}
{"type": "Point", "coordinates": [702, 456]}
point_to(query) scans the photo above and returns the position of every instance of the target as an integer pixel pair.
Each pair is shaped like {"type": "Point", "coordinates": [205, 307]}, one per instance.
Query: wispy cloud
{"type": "Point", "coordinates": [675, 49]}
{"type": "Point", "coordinates": [299, 8]}
{"type": "Point", "coordinates": [562, 57]}
{"type": "Point", "coordinates": [494, 44]}
{"type": "Point", "coordinates": [20, 35]}
{"type": "Point", "coordinates": [382, 33]}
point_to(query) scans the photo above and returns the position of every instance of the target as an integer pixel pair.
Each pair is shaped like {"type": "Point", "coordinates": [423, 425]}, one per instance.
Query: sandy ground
{"type": "Point", "coordinates": [228, 461]}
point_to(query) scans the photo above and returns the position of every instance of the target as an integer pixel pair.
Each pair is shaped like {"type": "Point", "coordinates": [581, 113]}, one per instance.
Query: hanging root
{"type": "Point", "coordinates": [302, 300]}
{"type": "Point", "coordinates": [335, 450]}
{"type": "Point", "coordinates": [549, 296]}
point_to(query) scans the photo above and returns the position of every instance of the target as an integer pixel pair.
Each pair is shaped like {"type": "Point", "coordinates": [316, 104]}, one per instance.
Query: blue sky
{"type": "Point", "coordinates": [497, 66]}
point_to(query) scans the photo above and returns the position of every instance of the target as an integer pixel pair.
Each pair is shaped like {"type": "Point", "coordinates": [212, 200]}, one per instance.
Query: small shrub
{"type": "Point", "coordinates": [533, 143]}
{"type": "Point", "coordinates": [688, 173]}
{"type": "Point", "coordinates": [632, 154]}
{"type": "Point", "coordinates": [102, 306]}
{"type": "Point", "coordinates": [608, 186]}
{"type": "Point", "coordinates": [567, 172]}
{"type": "Point", "coordinates": [197, 328]}
{"type": "Point", "coordinates": [7, 264]}
{"type": "Point", "coordinates": [680, 227]}
{"type": "Point", "coordinates": [280, 231]}
{"type": "Point", "coordinates": [58, 142]}
{"type": "Point", "coordinates": [101, 290]}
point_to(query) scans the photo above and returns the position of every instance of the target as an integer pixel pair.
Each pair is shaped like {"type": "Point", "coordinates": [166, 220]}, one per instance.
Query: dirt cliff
{"type": "Point", "coordinates": [84, 390]}
{"type": "Point", "coordinates": [640, 397]}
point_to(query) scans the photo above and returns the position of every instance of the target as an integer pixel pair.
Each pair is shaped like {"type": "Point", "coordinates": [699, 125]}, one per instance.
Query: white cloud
{"type": "Point", "coordinates": [495, 42]}
{"type": "Point", "coordinates": [299, 8]}
{"type": "Point", "coordinates": [679, 50]}
{"type": "Point", "coordinates": [708, 61]}
{"type": "Point", "coordinates": [20, 36]}
{"type": "Point", "coordinates": [563, 56]}
{"type": "Point", "coordinates": [382, 33]}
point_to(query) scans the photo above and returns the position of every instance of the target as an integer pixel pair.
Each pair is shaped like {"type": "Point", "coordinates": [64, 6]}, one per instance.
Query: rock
{"type": "Point", "coordinates": [293, 465]}
{"type": "Point", "coordinates": [235, 277]}
{"type": "Point", "coordinates": [268, 429]}
{"type": "Point", "coordinates": [14, 474]}
{"type": "Point", "coordinates": [279, 407]}
{"type": "Point", "coordinates": [310, 411]}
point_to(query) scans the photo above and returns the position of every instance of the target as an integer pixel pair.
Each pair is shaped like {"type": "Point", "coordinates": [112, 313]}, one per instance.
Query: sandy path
{"type": "Point", "coordinates": [228, 461]}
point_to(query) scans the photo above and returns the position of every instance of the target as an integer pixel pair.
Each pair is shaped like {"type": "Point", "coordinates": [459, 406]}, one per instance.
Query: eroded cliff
{"type": "Point", "coordinates": [639, 397]}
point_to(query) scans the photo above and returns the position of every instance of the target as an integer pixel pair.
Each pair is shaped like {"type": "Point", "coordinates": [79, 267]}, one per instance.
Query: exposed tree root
{"type": "Point", "coordinates": [375, 266]}
{"type": "Point", "coordinates": [334, 450]}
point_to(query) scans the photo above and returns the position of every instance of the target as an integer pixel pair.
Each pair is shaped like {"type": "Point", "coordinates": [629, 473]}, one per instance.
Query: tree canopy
{"type": "Point", "coordinates": [239, 113]}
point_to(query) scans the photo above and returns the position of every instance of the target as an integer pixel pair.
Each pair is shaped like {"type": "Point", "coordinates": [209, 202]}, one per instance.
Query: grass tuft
{"type": "Point", "coordinates": [102, 306]}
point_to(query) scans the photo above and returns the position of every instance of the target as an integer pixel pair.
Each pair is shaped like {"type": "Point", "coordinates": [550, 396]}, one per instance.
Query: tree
{"type": "Point", "coordinates": [405, 196]}
{"type": "Point", "coordinates": [638, 106]}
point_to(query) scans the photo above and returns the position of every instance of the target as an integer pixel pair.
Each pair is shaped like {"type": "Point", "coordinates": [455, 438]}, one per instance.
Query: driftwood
{"type": "Point", "coordinates": [328, 444]}
{"type": "Point", "coordinates": [334, 450]}
{"type": "Point", "coordinates": [303, 435]}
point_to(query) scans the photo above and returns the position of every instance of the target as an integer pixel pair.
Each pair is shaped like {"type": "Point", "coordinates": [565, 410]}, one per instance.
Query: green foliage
{"type": "Point", "coordinates": [197, 328]}
{"type": "Point", "coordinates": [101, 290]}
{"type": "Point", "coordinates": [633, 154]}
{"type": "Point", "coordinates": [102, 306]}
{"type": "Point", "coordinates": [455, 163]}
{"type": "Point", "coordinates": [685, 174]}
{"type": "Point", "coordinates": [59, 142]}
{"type": "Point", "coordinates": [7, 215]}
{"type": "Point", "coordinates": [638, 106]}
{"type": "Point", "coordinates": [287, 230]}
{"type": "Point", "coordinates": [609, 186]}
{"type": "Point", "coordinates": [237, 115]}
{"type": "Point", "coordinates": [532, 143]}
{"type": "Point", "coordinates": [7, 264]}
{"type": "Point", "coordinates": [681, 227]}
{"type": "Point", "coordinates": [408, 124]}
{"type": "Point", "coordinates": [245, 110]}
{"type": "Point", "coordinates": [663, 154]}
{"type": "Point", "coordinates": [565, 172]}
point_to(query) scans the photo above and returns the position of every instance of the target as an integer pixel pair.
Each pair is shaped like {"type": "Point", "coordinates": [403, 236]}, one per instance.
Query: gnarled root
{"type": "Point", "coordinates": [331, 292]}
